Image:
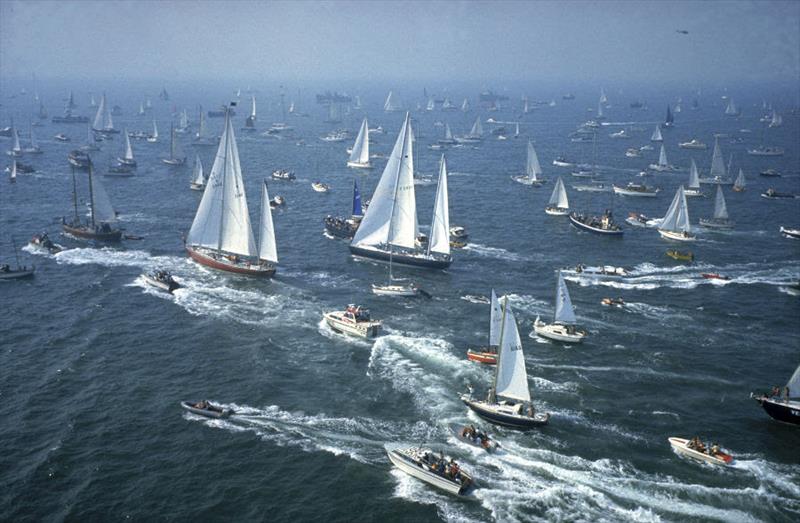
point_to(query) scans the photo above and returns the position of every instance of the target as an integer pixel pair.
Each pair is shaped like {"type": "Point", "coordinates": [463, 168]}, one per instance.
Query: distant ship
{"type": "Point", "coordinates": [333, 97]}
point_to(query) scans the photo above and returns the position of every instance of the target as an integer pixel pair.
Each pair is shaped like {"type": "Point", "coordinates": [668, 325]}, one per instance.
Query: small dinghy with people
{"type": "Point", "coordinates": [354, 320]}
{"type": "Point", "coordinates": [283, 174]}
{"type": "Point", "coordinates": [699, 451]}
{"type": "Point", "coordinates": [474, 437]}
{"type": "Point", "coordinates": [714, 276]}
{"type": "Point", "coordinates": [161, 279]}
{"type": "Point", "coordinates": [612, 302]}
{"type": "Point", "coordinates": [207, 409]}
{"type": "Point", "coordinates": [680, 255]}
{"type": "Point", "coordinates": [439, 470]}
{"type": "Point", "coordinates": [42, 241]}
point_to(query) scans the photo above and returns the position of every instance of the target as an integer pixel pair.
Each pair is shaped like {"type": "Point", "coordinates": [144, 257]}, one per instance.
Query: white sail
{"type": "Point", "coordinates": [731, 109]}
{"type": "Point", "coordinates": [717, 162]}
{"type": "Point", "coordinates": [740, 182]}
{"type": "Point", "coordinates": [184, 123]}
{"type": "Point", "coordinates": [103, 120]}
{"type": "Point", "coordinates": [794, 383]}
{"type": "Point", "coordinates": [34, 143]}
{"type": "Point", "coordinates": [600, 110]}
{"type": "Point", "coordinates": [564, 314]}
{"type": "Point", "coordinates": [511, 378]}
{"type": "Point", "coordinates": [175, 150]}
{"type": "Point", "coordinates": [777, 120]}
{"type": "Point", "coordinates": [516, 130]}
{"type": "Point", "coordinates": [14, 170]}
{"type": "Point", "coordinates": [720, 207]}
{"type": "Point", "coordinates": [603, 97]}
{"type": "Point", "coordinates": [477, 129]}
{"type": "Point", "coordinates": [198, 177]}
{"type": "Point", "coordinates": [155, 130]}
{"type": "Point", "coordinates": [101, 204]}
{"type": "Point", "coordinates": [532, 167]}
{"type": "Point", "coordinates": [448, 134]}
{"type": "Point", "coordinates": [656, 136]}
{"type": "Point", "coordinates": [128, 149]}
{"type": "Point", "coordinates": [222, 221]}
{"type": "Point", "coordinates": [391, 103]}
{"type": "Point", "coordinates": [201, 128]}
{"type": "Point", "coordinates": [252, 107]}
{"type": "Point", "coordinates": [360, 153]}
{"type": "Point", "coordinates": [17, 148]}
{"type": "Point", "coordinates": [267, 250]}
{"type": "Point", "coordinates": [431, 106]}
{"type": "Point", "coordinates": [465, 105]}
{"type": "Point", "coordinates": [392, 215]}
{"type": "Point", "coordinates": [677, 217]}
{"type": "Point", "coordinates": [495, 321]}
{"type": "Point", "coordinates": [141, 108]}
{"type": "Point", "coordinates": [440, 224]}
{"type": "Point", "coordinates": [662, 157]}
{"type": "Point", "coordinates": [694, 176]}
{"type": "Point", "coordinates": [559, 196]}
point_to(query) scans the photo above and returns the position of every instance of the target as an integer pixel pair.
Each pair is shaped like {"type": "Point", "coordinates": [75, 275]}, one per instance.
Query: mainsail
{"type": "Point", "coordinates": [440, 223]}
{"type": "Point", "coordinates": [465, 105]}
{"type": "Point", "coordinates": [267, 250]}
{"type": "Point", "coordinates": [477, 129]}
{"type": "Point", "coordinates": [720, 207]}
{"type": "Point", "coordinates": [495, 321]}
{"type": "Point", "coordinates": [559, 196]}
{"type": "Point", "coordinates": [740, 180]}
{"type": "Point", "coordinates": [102, 119]}
{"type": "Point", "coordinates": [102, 210]}
{"type": "Point", "coordinates": [128, 149]}
{"type": "Point", "coordinates": [662, 157]}
{"type": "Point", "coordinates": [511, 378]}
{"type": "Point", "coordinates": [198, 177]}
{"type": "Point", "coordinates": [448, 134]}
{"type": "Point", "coordinates": [532, 167]}
{"type": "Point", "coordinates": [222, 221]}
{"type": "Point", "coordinates": [360, 153]}
{"type": "Point", "coordinates": [677, 217]}
{"type": "Point", "coordinates": [694, 176]}
{"type": "Point", "coordinates": [731, 109]}
{"type": "Point", "coordinates": [794, 383]}
{"type": "Point", "coordinates": [717, 162]}
{"type": "Point", "coordinates": [175, 150]}
{"type": "Point", "coordinates": [669, 119]}
{"type": "Point", "coordinates": [564, 314]}
{"type": "Point", "coordinates": [391, 103]}
{"type": "Point", "coordinates": [656, 136]}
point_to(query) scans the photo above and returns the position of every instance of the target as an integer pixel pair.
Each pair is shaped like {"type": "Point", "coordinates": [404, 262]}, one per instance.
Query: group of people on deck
{"type": "Point", "coordinates": [696, 444]}
{"type": "Point", "coordinates": [441, 466]}
{"type": "Point", "coordinates": [476, 436]}
{"type": "Point", "coordinates": [776, 393]}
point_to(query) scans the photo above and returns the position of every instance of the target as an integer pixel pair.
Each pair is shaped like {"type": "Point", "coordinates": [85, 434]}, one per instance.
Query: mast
{"type": "Point", "coordinates": [224, 175]}
{"type": "Point", "coordinates": [406, 129]}
{"type": "Point", "coordinates": [91, 189]}
{"type": "Point", "coordinates": [75, 195]}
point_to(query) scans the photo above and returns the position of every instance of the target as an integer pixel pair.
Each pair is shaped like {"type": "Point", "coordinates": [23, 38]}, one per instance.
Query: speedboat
{"type": "Point", "coordinates": [161, 279]}
{"type": "Point", "coordinates": [354, 320]}
{"type": "Point", "coordinates": [680, 255]}
{"type": "Point", "coordinates": [647, 147]}
{"type": "Point", "coordinates": [207, 409]}
{"type": "Point", "coordinates": [43, 241]}
{"type": "Point", "coordinates": [765, 151]}
{"type": "Point", "coordinates": [717, 180]}
{"type": "Point", "coordinates": [436, 470]}
{"type": "Point", "coordinates": [790, 233]}
{"type": "Point", "coordinates": [620, 134]}
{"type": "Point", "coordinates": [633, 153]}
{"type": "Point", "coordinates": [458, 232]}
{"type": "Point", "coordinates": [283, 174]}
{"type": "Point", "coordinates": [636, 219]}
{"type": "Point", "coordinates": [487, 355]}
{"type": "Point", "coordinates": [277, 201]}
{"type": "Point", "coordinates": [563, 162]}
{"type": "Point", "coordinates": [603, 272]}
{"type": "Point", "coordinates": [61, 137]}
{"type": "Point", "coordinates": [772, 194]}
{"type": "Point", "coordinates": [582, 173]}
{"type": "Point", "coordinates": [612, 302]}
{"type": "Point", "coordinates": [769, 173]}
{"type": "Point", "coordinates": [714, 276]}
{"type": "Point", "coordinates": [473, 437]}
{"type": "Point", "coordinates": [320, 187]}
{"type": "Point", "coordinates": [706, 453]}
{"type": "Point", "coordinates": [592, 187]}
{"type": "Point", "coordinates": [636, 189]}
{"type": "Point", "coordinates": [77, 159]}
{"type": "Point", "coordinates": [693, 144]}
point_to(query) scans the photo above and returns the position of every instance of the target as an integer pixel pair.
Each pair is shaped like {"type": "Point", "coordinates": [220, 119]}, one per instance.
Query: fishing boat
{"type": "Point", "coordinates": [390, 223]}
{"type": "Point", "coordinates": [359, 157]}
{"type": "Point", "coordinates": [564, 327]}
{"type": "Point", "coordinates": [783, 407]}
{"type": "Point", "coordinates": [354, 320]}
{"type": "Point", "coordinates": [720, 220]}
{"type": "Point", "coordinates": [703, 453]}
{"type": "Point", "coordinates": [198, 182]}
{"type": "Point", "coordinates": [714, 276]}
{"type": "Point", "coordinates": [790, 233]}
{"type": "Point", "coordinates": [61, 137]}
{"type": "Point", "coordinates": [680, 255]}
{"type": "Point", "coordinates": [694, 143]}
{"type": "Point", "coordinates": [474, 437]}
{"type": "Point", "coordinates": [636, 189]}
{"type": "Point", "coordinates": [127, 155]}
{"type": "Point", "coordinates": [769, 173]}
{"type": "Point", "coordinates": [162, 280]}
{"type": "Point", "coordinates": [153, 138]}
{"type": "Point", "coordinates": [103, 122]}
{"type": "Point", "coordinates": [101, 225]}
{"type": "Point", "coordinates": [669, 120]}
{"type": "Point", "coordinates": [637, 219]}
{"type": "Point", "coordinates": [508, 402]}
{"type": "Point", "coordinates": [693, 188]}
{"type": "Point", "coordinates": [772, 194]}
{"type": "Point", "coordinates": [43, 242]}
{"type": "Point", "coordinates": [558, 205]}
{"type": "Point", "coordinates": [283, 174]}
{"type": "Point", "coordinates": [345, 228]}
{"type": "Point", "coordinates": [250, 122]}
{"type": "Point", "coordinates": [221, 236]}
{"type": "Point", "coordinates": [603, 224]}
{"type": "Point", "coordinates": [656, 136]}
{"type": "Point", "coordinates": [176, 156]}
{"type": "Point", "coordinates": [613, 302]}
{"type": "Point", "coordinates": [533, 171]}
{"type": "Point", "coordinates": [764, 150]}
{"type": "Point", "coordinates": [602, 272]}
{"type": "Point", "coordinates": [7, 272]}
{"type": "Point", "coordinates": [488, 354]}
{"type": "Point", "coordinates": [439, 471]}
{"type": "Point", "coordinates": [207, 409]}
{"type": "Point", "coordinates": [662, 165]}
{"type": "Point", "coordinates": [563, 162]}
{"type": "Point", "coordinates": [675, 224]}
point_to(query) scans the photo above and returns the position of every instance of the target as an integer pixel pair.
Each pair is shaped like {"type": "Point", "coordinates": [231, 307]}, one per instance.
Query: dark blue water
{"type": "Point", "coordinates": [94, 364]}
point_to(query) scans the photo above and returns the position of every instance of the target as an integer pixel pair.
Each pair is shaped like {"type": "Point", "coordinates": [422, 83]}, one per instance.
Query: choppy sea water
{"type": "Point", "coordinates": [94, 363]}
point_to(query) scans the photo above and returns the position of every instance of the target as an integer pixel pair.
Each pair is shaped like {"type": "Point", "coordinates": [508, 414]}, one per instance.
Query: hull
{"type": "Point", "coordinates": [778, 410]}
{"type": "Point", "coordinates": [558, 333]}
{"type": "Point", "coordinates": [17, 274]}
{"type": "Point", "coordinates": [359, 165]}
{"type": "Point", "coordinates": [164, 286]}
{"type": "Point", "coordinates": [394, 290]}
{"type": "Point", "coordinates": [412, 468]}
{"type": "Point", "coordinates": [642, 194]}
{"type": "Point", "coordinates": [676, 236]}
{"type": "Point", "coordinates": [369, 329]}
{"type": "Point", "coordinates": [266, 271]}
{"type": "Point", "coordinates": [679, 445]}
{"type": "Point", "coordinates": [596, 230]}
{"type": "Point", "coordinates": [791, 233]}
{"type": "Point", "coordinates": [402, 259]}
{"type": "Point", "coordinates": [197, 187]}
{"type": "Point", "coordinates": [89, 234]}
{"type": "Point", "coordinates": [482, 355]}
{"type": "Point", "coordinates": [556, 211]}
{"type": "Point", "coordinates": [491, 413]}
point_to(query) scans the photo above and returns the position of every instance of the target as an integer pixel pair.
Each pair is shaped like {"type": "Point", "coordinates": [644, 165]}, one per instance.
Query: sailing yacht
{"type": "Point", "coordinates": [153, 138]}
{"type": "Point", "coordinates": [488, 354]}
{"type": "Point", "coordinates": [103, 123]}
{"type": "Point", "coordinates": [693, 188]}
{"type": "Point", "coordinates": [718, 173]}
{"type": "Point", "coordinates": [447, 105]}
{"type": "Point", "coordinates": [102, 218]}
{"type": "Point", "coordinates": [558, 204]}
{"type": "Point", "coordinates": [183, 123]}
{"type": "Point", "coordinates": [509, 399]}
{"type": "Point", "coordinates": [221, 236]}
{"type": "Point", "coordinates": [127, 155]}
{"type": "Point", "coordinates": [675, 224]}
{"type": "Point", "coordinates": [34, 147]}
{"type": "Point", "coordinates": [448, 136]}
{"type": "Point", "coordinates": [662, 165]}
{"type": "Point", "coordinates": [786, 408]}
{"type": "Point", "coordinates": [533, 171]}
{"type": "Point", "coordinates": [176, 156]}
{"type": "Point", "coordinates": [91, 140]}
{"type": "Point", "coordinates": [359, 157]}
{"type": "Point", "coordinates": [720, 219]}
{"type": "Point", "coordinates": [656, 136]}
{"type": "Point", "coordinates": [776, 120]}
{"type": "Point", "coordinates": [198, 178]}
{"type": "Point", "coordinates": [200, 138]}
{"type": "Point", "coordinates": [731, 109]}
{"type": "Point", "coordinates": [16, 149]}
{"type": "Point", "coordinates": [13, 175]}
{"type": "Point", "coordinates": [391, 104]}
{"type": "Point", "coordinates": [669, 120]}
{"type": "Point", "coordinates": [390, 224]}
{"type": "Point", "coordinates": [564, 327]}
{"type": "Point", "coordinates": [740, 182]}
{"type": "Point", "coordinates": [465, 105]}
{"type": "Point", "coordinates": [250, 122]}
{"type": "Point", "coordinates": [475, 134]}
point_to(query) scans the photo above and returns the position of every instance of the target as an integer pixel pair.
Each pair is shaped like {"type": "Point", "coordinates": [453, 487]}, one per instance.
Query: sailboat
{"type": "Point", "coordinates": [42, 111]}
{"type": "Point", "coordinates": [783, 407]}
{"type": "Point", "coordinates": [533, 170]}
{"type": "Point", "coordinates": [776, 120]}
{"type": "Point", "coordinates": [447, 105]}
{"type": "Point", "coordinates": [564, 327]}
{"type": "Point", "coordinates": [250, 122]}
{"type": "Point", "coordinates": [359, 157]}
{"type": "Point", "coordinates": [600, 114]}
{"type": "Point", "coordinates": [669, 120]}
{"type": "Point", "coordinates": [102, 218]}
{"type": "Point", "coordinates": [740, 182]}
{"type": "Point", "coordinates": [183, 122]}
{"type": "Point", "coordinates": [141, 109]}
{"type": "Point", "coordinates": [34, 148]}
{"type": "Point", "coordinates": [693, 188]}
{"type": "Point", "coordinates": [176, 156]}
{"type": "Point", "coordinates": [720, 219]}
{"type": "Point", "coordinates": [200, 138]}
{"type": "Point", "coordinates": [340, 227]}
{"type": "Point", "coordinates": [663, 164]}
{"type": "Point", "coordinates": [153, 138]}
{"type": "Point", "coordinates": [718, 173]}
{"type": "Point", "coordinates": [13, 176]}
{"type": "Point", "coordinates": [103, 123]}
{"type": "Point", "coordinates": [516, 130]}
{"type": "Point", "coordinates": [391, 104]}
{"type": "Point", "coordinates": [127, 155]}
{"type": "Point", "coordinates": [656, 136]}
{"type": "Point", "coordinates": [16, 149]}
{"type": "Point", "coordinates": [475, 134]}
{"type": "Point", "coordinates": [488, 354]}
{"type": "Point", "coordinates": [675, 224]}
{"type": "Point", "coordinates": [508, 402]}
{"type": "Point", "coordinates": [465, 105]}
{"type": "Point", "coordinates": [91, 140]}
{"type": "Point", "coordinates": [221, 236]}
{"type": "Point", "coordinates": [390, 224]}
{"type": "Point", "coordinates": [198, 178]}
{"type": "Point", "coordinates": [558, 204]}
{"type": "Point", "coordinates": [448, 136]}
{"type": "Point", "coordinates": [731, 109]}
{"type": "Point", "coordinates": [20, 271]}
{"type": "Point", "coordinates": [431, 105]}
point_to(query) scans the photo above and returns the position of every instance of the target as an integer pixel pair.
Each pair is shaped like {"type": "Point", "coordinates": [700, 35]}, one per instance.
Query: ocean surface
{"type": "Point", "coordinates": [93, 364]}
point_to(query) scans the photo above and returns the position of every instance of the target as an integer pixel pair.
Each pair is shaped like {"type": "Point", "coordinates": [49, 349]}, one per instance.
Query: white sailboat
{"type": "Point", "coordinates": [250, 122]}
{"type": "Point", "coordinates": [731, 109]}
{"type": "Point", "coordinates": [221, 236]}
{"type": "Point", "coordinates": [693, 189]}
{"type": "Point", "coordinates": [198, 178]}
{"type": "Point", "coordinates": [663, 164]}
{"type": "Point", "coordinates": [509, 400]}
{"type": "Point", "coordinates": [720, 220]}
{"type": "Point", "coordinates": [718, 173]}
{"type": "Point", "coordinates": [448, 136]}
{"type": "Point", "coordinates": [359, 157]}
{"type": "Point", "coordinates": [103, 123]}
{"type": "Point", "coordinates": [13, 176]}
{"type": "Point", "coordinates": [558, 204]}
{"type": "Point", "coordinates": [16, 149]}
{"type": "Point", "coordinates": [533, 170]}
{"type": "Point", "coordinates": [176, 156]}
{"type": "Point", "coordinates": [465, 105]}
{"type": "Point", "coordinates": [488, 354]}
{"type": "Point", "coordinates": [776, 120]}
{"type": "Point", "coordinates": [91, 142]}
{"type": "Point", "coordinates": [34, 148]}
{"type": "Point", "coordinates": [153, 138]}
{"type": "Point", "coordinates": [675, 224]}
{"type": "Point", "coordinates": [141, 109]}
{"type": "Point", "coordinates": [516, 130]}
{"type": "Point", "coordinates": [656, 136]}
{"type": "Point", "coordinates": [391, 105]}
{"type": "Point", "coordinates": [740, 182]}
{"type": "Point", "coordinates": [201, 138]}
{"type": "Point", "coordinates": [564, 327]}
{"type": "Point", "coordinates": [447, 105]}
{"type": "Point", "coordinates": [475, 134]}
{"type": "Point", "coordinates": [431, 105]}
{"type": "Point", "coordinates": [390, 225]}
{"type": "Point", "coordinates": [183, 122]}
{"type": "Point", "coordinates": [127, 157]}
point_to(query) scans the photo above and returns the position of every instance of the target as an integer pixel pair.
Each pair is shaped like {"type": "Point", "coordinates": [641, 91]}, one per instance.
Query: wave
{"type": "Point", "coordinates": [493, 252]}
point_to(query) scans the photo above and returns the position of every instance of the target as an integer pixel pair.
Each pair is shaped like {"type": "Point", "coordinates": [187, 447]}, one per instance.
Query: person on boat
{"type": "Point", "coordinates": [786, 394]}
{"type": "Point", "coordinates": [531, 410]}
{"type": "Point", "coordinates": [453, 466]}
{"type": "Point", "coordinates": [202, 404]}
{"type": "Point", "coordinates": [776, 391]}
{"type": "Point", "coordinates": [714, 449]}
{"type": "Point", "coordinates": [5, 268]}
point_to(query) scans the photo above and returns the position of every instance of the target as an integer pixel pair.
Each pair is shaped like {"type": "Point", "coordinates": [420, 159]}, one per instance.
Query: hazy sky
{"type": "Point", "coordinates": [391, 42]}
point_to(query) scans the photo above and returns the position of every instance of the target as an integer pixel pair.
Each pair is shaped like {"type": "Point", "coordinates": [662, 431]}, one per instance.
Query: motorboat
{"type": "Point", "coordinates": [474, 437]}
{"type": "Point", "coordinates": [42, 241]}
{"type": "Point", "coordinates": [277, 201]}
{"type": "Point", "coordinates": [697, 450]}
{"type": "Point", "coordinates": [458, 232]}
{"type": "Point", "coordinates": [633, 153]}
{"type": "Point", "coordinates": [680, 255]}
{"type": "Point", "coordinates": [354, 320]}
{"type": "Point", "coordinates": [783, 407]}
{"type": "Point", "coordinates": [335, 136]}
{"type": "Point", "coordinates": [161, 279]}
{"type": "Point", "coordinates": [714, 276]}
{"type": "Point", "coordinates": [583, 173]}
{"type": "Point", "coordinates": [21, 271]}
{"type": "Point", "coordinates": [592, 187]}
{"type": "Point", "coordinates": [769, 173]}
{"type": "Point", "coordinates": [61, 137]}
{"type": "Point", "coordinates": [790, 233]}
{"type": "Point", "coordinates": [320, 187]}
{"type": "Point", "coordinates": [765, 151]}
{"type": "Point", "coordinates": [602, 272]}
{"type": "Point", "coordinates": [637, 219]}
{"type": "Point", "coordinates": [207, 409]}
{"type": "Point", "coordinates": [693, 144]}
{"type": "Point", "coordinates": [436, 470]}
{"type": "Point", "coordinates": [636, 189]}
{"type": "Point", "coordinates": [621, 134]}
{"type": "Point", "coordinates": [283, 174]}
{"type": "Point", "coordinates": [613, 302]}
{"type": "Point", "coordinates": [647, 147]}
{"type": "Point", "coordinates": [603, 224]}
{"type": "Point", "coordinates": [564, 326]}
{"type": "Point", "coordinates": [563, 162]}
{"type": "Point", "coordinates": [21, 168]}
{"type": "Point", "coordinates": [772, 194]}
